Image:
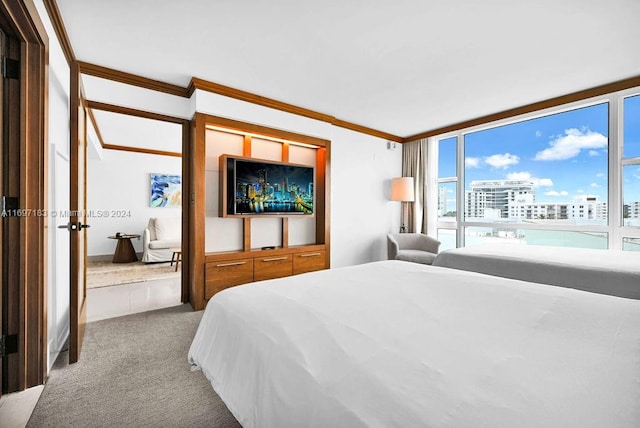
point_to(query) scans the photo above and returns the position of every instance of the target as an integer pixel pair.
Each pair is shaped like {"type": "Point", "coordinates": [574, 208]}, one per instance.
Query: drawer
{"type": "Point", "coordinates": [224, 274]}
{"type": "Point", "coordinates": [307, 262]}
{"type": "Point", "coordinates": [272, 267]}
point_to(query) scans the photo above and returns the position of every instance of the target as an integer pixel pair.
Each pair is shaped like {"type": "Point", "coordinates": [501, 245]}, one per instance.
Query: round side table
{"type": "Point", "coordinates": [124, 250]}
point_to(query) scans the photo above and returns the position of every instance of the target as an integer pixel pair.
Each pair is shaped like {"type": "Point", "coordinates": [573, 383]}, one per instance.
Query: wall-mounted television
{"type": "Point", "coordinates": [253, 187]}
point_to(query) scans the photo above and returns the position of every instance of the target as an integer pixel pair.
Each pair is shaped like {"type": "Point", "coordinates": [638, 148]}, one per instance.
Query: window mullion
{"type": "Point", "coordinates": [460, 191]}
{"type": "Point", "coordinates": [615, 196]}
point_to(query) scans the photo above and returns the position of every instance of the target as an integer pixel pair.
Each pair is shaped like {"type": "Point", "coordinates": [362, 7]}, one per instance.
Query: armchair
{"type": "Point", "coordinates": [159, 237]}
{"type": "Point", "coordinates": [412, 247]}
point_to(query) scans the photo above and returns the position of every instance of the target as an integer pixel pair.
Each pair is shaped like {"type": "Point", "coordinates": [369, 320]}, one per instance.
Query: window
{"type": "Point", "coordinates": [447, 192]}
{"type": "Point", "coordinates": [631, 244]}
{"type": "Point", "coordinates": [631, 163]}
{"type": "Point", "coordinates": [548, 170]}
{"type": "Point", "coordinates": [545, 178]}
{"type": "Point", "coordinates": [631, 127]}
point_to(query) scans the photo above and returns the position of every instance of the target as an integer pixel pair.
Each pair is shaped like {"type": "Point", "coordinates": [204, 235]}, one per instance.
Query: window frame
{"type": "Point", "coordinates": [615, 229]}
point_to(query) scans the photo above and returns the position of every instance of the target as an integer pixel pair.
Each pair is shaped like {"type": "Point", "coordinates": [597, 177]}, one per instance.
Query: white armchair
{"type": "Point", "coordinates": [159, 237]}
{"type": "Point", "coordinates": [412, 247]}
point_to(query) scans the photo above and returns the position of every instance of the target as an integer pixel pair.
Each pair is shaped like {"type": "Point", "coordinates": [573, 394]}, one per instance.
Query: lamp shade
{"type": "Point", "coordinates": [402, 189]}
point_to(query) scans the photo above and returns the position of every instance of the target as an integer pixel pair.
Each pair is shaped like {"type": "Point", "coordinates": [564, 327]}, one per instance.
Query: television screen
{"type": "Point", "coordinates": [262, 187]}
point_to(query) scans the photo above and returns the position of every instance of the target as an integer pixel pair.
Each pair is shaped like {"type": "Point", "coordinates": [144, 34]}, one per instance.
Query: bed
{"type": "Point", "coordinates": [399, 344]}
{"type": "Point", "coordinates": [601, 271]}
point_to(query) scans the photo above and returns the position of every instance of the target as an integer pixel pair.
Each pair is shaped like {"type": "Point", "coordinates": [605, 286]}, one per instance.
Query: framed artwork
{"type": "Point", "coordinates": [166, 190]}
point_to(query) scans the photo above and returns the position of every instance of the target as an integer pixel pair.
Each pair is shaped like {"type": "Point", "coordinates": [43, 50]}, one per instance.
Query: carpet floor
{"type": "Point", "coordinates": [104, 274]}
{"type": "Point", "coordinates": [133, 372]}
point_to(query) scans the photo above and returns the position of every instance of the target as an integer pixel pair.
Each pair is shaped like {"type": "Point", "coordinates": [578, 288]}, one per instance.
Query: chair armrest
{"type": "Point", "coordinates": [392, 247]}
{"type": "Point", "coordinates": [429, 244]}
{"type": "Point", "coordinates": [146, 238]}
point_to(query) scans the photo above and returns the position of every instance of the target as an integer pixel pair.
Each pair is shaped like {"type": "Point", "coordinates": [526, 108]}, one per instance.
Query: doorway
{"type": "Point", "coordinates": [142, 147]}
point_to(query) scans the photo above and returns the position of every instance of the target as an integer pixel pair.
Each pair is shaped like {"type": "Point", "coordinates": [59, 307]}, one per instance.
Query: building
{"type": "Point", "coordinates": [496, 195]}
{"type": "Point", "coordinates": [577, 211]}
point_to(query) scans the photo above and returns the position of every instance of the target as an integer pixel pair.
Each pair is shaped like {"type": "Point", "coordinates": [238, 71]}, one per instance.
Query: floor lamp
{"type": "Point", "coordinates": [402, 190]}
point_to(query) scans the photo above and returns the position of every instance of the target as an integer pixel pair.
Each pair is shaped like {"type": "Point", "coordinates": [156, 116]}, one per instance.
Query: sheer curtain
{"type": "Point", "coordinates": [414, 164]}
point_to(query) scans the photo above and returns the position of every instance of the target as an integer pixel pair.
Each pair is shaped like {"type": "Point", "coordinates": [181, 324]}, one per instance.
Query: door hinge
{"type": "Point", "coordinates": [10, 206]}
{"type": "Point", "coordinates": [8, 344]}
{"type": "Point", "coordinates": [10, 68]}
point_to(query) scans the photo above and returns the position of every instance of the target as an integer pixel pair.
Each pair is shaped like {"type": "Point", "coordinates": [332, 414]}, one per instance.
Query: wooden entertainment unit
{"type": "Point", "coordinates": [228, 269]}
{"type": "Point", "coordinates": [288, 251]}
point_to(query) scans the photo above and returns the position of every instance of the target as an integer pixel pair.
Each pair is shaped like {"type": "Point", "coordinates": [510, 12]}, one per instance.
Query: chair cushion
{"type": "Point", "coordinates": [416, 256]}
{"type": "Point", "coordinates": [168, 228]}
{"type": "Point", "coordinates": [162, 244]}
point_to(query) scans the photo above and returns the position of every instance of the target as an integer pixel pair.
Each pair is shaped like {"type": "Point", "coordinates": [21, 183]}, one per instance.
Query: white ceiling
{"type": "Point", "coordinates": [125, 130]}
{"type": "Point", "coordinates": [399, 66]}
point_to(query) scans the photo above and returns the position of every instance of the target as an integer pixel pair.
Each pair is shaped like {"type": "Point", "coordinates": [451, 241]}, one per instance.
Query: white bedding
{"type": "Point", "coordinates": [601, 271]}
{"type": "Point", "coordinates": [398, 344]}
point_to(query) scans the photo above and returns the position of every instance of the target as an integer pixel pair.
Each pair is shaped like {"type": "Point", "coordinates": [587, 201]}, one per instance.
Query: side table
{"type": "Point", "coordinates": [124, 250]}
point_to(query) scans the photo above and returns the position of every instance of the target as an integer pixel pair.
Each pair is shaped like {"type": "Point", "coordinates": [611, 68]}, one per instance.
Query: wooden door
{"type": "Point", "coordinates": [77, 218]}
{"type": "Point", "coordinates": [2, 169]}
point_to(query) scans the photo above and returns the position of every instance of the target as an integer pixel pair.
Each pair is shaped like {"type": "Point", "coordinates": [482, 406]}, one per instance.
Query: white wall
{"type": "Point", "coordinates": [361, 213]}
{"type": "Point", "coordinates": [120, 183]}
{"type": "Point", "coordinates": [58, 152]}
{"type": "Point", "coordinates": [361, 170]}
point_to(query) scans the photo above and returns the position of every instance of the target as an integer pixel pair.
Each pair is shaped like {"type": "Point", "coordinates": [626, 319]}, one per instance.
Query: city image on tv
{"type": "Point", "coordinates": [271, 188]}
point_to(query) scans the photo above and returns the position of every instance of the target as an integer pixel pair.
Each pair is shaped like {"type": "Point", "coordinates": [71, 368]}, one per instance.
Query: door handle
{"type": "Point", "coordinates": [74, 226]}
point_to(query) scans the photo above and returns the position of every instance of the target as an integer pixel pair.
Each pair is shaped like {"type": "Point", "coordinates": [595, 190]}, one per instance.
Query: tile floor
{"type": "Point", "coordinates": [102, 303]}
{"type": "Point", "coordinates": [16, 408]}
{"type": "Point", "coordinates": [119, 300]}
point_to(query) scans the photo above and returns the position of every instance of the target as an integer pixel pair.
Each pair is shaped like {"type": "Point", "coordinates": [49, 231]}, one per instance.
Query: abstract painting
{"type": "Point", "coordinates": [166, 190]}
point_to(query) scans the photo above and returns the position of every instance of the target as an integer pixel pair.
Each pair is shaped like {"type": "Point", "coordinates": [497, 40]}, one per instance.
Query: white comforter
{"type": "Point", "coordinates": [397, 344]}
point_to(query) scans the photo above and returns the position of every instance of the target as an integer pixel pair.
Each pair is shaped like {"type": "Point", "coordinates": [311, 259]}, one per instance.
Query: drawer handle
{"type": "Point", "coordinates": [310, 255]}
{"type": "Point", "coordinates": [231, 264]}
{"type": "Point", "coordinates": [275, 259]}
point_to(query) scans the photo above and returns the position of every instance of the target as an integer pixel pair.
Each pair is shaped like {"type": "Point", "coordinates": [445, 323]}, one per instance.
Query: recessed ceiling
{"type": "Point", "coordinates": [402, 67]}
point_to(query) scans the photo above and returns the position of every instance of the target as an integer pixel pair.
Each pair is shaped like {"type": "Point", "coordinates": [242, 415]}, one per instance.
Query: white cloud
{"type": "Point", "coordinates": [502, 160]}
{"type": "Point", "coordinates": [472, 162]}
{"type": "Point", "coordinates": [571, 143]}
{"type": "Point", "coordinates": [594, 153]}
{"type": "Point", "coordinates": [538, 134]}
{"type": "Point", "coordinates": [554, 193]}
{"type": "Point", "coordinates": [526, 176]}
{"type": "Point", "coordinates": [580, 191]}
{"type": "Point", "coordinates": [594, 185]}
{"type": "Point", "coordinates": [600, 175]}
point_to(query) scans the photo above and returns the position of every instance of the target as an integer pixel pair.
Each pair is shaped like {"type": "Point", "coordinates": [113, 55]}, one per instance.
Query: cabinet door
{"type": "Point", "coordinates": [272, 267]}
{"type": "Point", "coordinates": [308, 262]}
{"type": "Point", "coordinates": [224, 274]}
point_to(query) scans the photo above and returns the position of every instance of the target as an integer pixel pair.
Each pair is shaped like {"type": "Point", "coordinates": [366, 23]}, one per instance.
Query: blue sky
{"type": "Point", "coordinates": [565, 154]}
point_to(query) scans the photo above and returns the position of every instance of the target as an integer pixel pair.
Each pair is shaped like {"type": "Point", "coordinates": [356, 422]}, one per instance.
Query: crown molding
{"type": "Point", "coordinates": [61, 31]}
{"type": "Point", "coordinates": [93, 120]}
{"type": "Point", "coordinates": [132, 79]}
{"type": "Point", "coordinates": [134, 112]}
{"type": "Point", "coordinates": [141, 150]}
{"type": "Point", "coordinates": [216, 88]}
{"type": "Point", "coordinates": [241, 95]}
